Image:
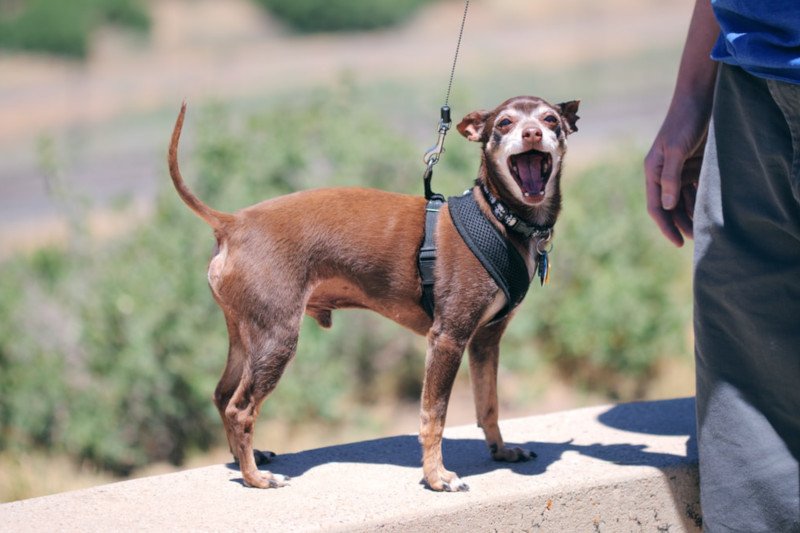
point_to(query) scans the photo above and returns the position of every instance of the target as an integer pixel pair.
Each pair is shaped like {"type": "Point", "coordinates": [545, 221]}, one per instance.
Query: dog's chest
{"type": "Point", "coordinates": [510, 269]}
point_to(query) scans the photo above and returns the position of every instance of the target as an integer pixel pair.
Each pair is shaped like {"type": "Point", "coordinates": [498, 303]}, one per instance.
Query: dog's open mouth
{"type": "Point", "coordinates": [531, 169]}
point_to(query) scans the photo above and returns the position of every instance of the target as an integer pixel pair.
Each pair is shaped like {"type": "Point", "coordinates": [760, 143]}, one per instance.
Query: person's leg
{"type": "Point", "coordinates": [747, 308]}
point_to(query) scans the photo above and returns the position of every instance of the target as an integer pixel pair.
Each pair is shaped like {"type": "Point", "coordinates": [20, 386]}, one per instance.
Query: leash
{"type": "Point", "coordinates": [426, 259]}
{"type": "Point", "coordinates": [434, 153]}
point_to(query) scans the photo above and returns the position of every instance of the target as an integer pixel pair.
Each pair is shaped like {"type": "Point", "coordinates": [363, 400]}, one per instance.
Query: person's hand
{"type": "Point", "coordinates": [672, 167]}
{"type": "Point", "coordinates": [672, 170]}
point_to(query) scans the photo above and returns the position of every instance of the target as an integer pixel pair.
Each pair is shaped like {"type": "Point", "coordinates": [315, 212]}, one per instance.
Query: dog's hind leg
{"type": "Point", "coordinates": [484, 353]}
{"type": "Point", "coordinates": [228, 383]}
{"type": "Point", "coordinates": [267, 351]}
{"type": "Point", "coordinates": [230, 379]}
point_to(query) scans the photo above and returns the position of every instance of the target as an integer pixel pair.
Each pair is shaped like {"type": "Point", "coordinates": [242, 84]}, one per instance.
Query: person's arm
{"type": "Point", "coordinates": [672, 166]}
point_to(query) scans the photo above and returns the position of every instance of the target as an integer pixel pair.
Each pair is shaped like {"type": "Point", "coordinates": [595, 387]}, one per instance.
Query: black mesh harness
{"type": "Point", "coordinates": [497, 255]}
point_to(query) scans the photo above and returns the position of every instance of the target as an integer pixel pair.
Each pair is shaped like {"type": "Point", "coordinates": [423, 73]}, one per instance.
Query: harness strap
{"type": "Point", "coordinates": [499, 257]}
{"type": "Point", "coordinates": [426, 260]}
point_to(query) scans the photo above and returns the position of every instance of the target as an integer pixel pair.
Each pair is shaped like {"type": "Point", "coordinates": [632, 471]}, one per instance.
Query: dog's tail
{"type": "Point", "coordinates": [213, 218]}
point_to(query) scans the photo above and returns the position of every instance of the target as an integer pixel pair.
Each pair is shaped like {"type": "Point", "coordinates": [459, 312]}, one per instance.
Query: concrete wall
{"type": "Point", "coordinates": [628, 467]}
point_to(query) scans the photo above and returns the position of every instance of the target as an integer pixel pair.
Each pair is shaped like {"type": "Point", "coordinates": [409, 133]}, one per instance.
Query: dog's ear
{"type": "Point", "coordinates": [569, 110]}
{"type": "Point", "coordinates": [472, 125]}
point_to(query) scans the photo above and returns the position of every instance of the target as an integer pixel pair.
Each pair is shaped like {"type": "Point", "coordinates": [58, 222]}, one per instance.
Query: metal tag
{"type": "Point", "coordinates": [543, 267]}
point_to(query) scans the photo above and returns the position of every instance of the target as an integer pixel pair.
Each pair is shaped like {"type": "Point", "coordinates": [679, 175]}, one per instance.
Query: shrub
{"type": "Point", "coordinates": [64, 28]}
{"type": "Point", "coordinates": [341, 15]}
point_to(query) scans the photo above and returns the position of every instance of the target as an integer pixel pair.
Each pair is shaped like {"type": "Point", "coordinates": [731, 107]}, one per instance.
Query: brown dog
{"type": "Point", "coordinates": [315, 251]}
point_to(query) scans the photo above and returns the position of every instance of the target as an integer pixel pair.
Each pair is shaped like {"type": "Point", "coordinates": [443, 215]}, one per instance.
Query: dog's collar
{"type": "Point", "coordinates": [511, 221]}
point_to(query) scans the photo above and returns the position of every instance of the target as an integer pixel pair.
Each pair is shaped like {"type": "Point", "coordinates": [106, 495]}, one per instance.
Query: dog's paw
{"type": "Point", "coordinates": [447, 482]}
{"type": "Point", "coordinates": [277, 480]}
{"type": "Point", "coordinates": [512, 455]}
{"type": "Point", "coordinates": [266, 480]}
{"type": "Point", "coordinates": [455, 485]}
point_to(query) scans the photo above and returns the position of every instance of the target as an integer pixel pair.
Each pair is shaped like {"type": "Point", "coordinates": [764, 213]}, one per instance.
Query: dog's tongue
{"type": "Point", "coordinates": [529, 167]}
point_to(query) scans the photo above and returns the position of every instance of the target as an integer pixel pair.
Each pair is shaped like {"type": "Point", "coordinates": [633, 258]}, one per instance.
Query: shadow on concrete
{"type": "Point", "coordinates": [470, 457]}
{"type": "Point", "coordinates": [665, 417]}
{"type": "Point", "coordinates": [672, 418]}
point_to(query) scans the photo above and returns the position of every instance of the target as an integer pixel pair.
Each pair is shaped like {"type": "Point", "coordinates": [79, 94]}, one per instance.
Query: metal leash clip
{"type": "Point", "coordinates": [432, 156]}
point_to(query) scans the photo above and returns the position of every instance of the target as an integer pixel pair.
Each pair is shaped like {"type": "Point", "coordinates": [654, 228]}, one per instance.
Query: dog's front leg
{"type": "Point", "coordinates": [484, 354]}
{"type": "Point", "coordinates": [441, 365]}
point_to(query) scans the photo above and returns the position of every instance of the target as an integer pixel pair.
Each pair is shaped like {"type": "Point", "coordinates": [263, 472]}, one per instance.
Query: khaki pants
{"type": "Point", "coordinates": [747, 307]}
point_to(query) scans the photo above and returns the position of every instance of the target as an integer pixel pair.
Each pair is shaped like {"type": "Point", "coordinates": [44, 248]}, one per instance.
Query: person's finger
{"type": "Point", "coordinates": [663, 219]}
{"type": "Point", "coordinates": [653, 166]}
{"type": "Point", "coordinates": [670, 179]}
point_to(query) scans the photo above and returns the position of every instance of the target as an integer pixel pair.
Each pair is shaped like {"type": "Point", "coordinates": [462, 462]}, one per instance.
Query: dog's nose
{"type": "Point", "coordinates": [532, 134]}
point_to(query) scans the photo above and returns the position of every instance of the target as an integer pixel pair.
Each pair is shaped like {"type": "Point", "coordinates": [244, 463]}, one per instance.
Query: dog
{"type": "Point", "coordinates": [319, 250]}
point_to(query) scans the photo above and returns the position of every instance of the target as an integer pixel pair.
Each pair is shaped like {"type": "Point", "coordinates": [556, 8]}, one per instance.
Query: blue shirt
{"type": "Point", "coordinates": [761, 36]}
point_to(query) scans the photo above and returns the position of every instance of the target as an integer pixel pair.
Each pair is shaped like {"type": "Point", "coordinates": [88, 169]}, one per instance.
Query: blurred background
{"type": "Point", "coordinates": [110, 342]}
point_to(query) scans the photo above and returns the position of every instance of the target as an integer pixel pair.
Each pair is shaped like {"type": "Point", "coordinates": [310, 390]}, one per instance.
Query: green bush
{"type": "Point", "coordinates": [341, 15]}
{"type": "Point", "coordinates": [64, 28]}
{"type": "Point", "coordinates": [111, 351]}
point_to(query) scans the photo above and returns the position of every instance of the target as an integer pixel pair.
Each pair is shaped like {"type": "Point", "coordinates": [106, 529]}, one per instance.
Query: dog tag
{"type": "Point", "coordinates": [543, 268]}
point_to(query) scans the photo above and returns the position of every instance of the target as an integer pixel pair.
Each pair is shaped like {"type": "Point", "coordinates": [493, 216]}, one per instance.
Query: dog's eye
{"type": "Point", "coordinates": [551, 119]}
{"type": "Point", "coordinates": [504, 123]}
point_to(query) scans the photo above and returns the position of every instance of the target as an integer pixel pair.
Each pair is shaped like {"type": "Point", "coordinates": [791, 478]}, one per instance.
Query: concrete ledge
{"type": "Point", "coordinates": [629, 467]}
